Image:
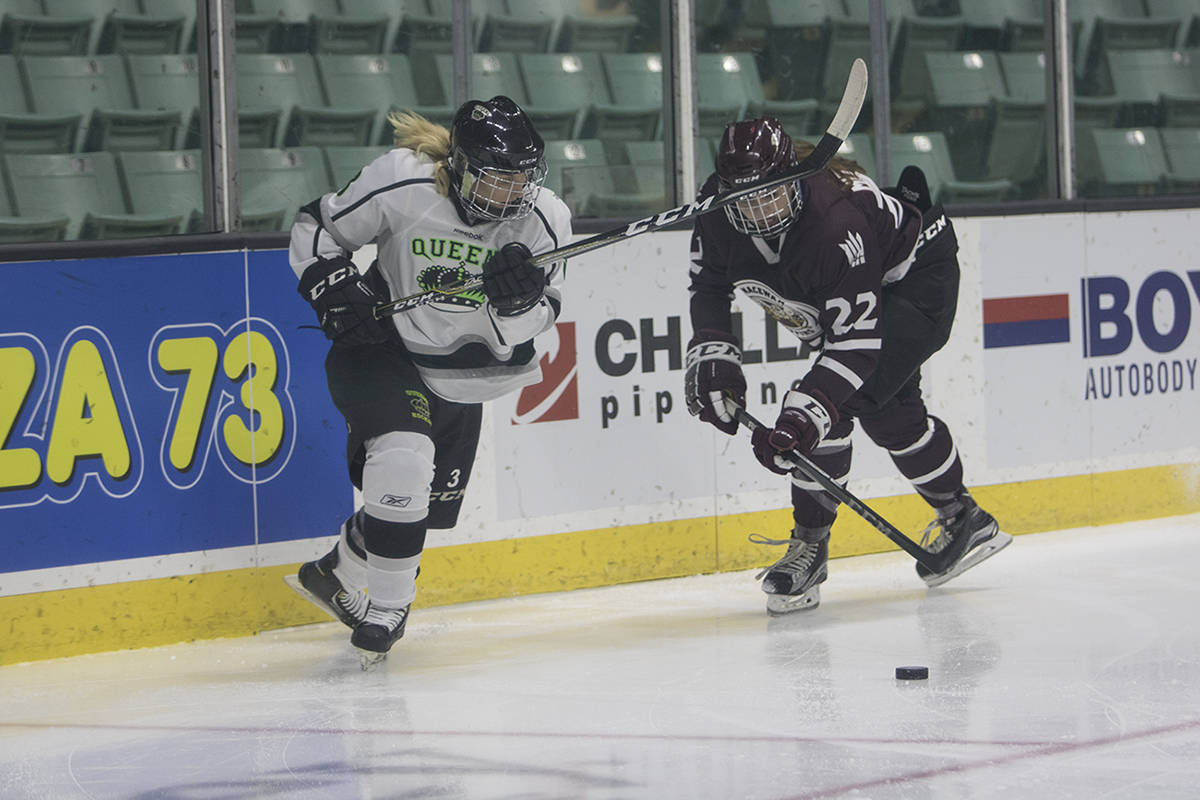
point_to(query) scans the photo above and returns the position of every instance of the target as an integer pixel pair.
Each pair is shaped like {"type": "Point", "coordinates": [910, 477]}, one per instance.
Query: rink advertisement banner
{"type": "Point", "coordinates": [158, 405]}
{"type": "Point", "coordinates": [1099, 317]}
{"type": "Point", "coordinates": [608, 426]}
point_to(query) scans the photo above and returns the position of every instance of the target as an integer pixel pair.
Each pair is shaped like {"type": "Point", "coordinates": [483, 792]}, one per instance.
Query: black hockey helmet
{"type": "Point", "coordinates": [749, 151]}
{"type": "Point", "coordinates": [496, 159]}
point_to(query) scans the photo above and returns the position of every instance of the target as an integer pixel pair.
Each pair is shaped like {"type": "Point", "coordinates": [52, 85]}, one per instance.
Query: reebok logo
{"type": "Point", "coordinates": [393, 500]}
{"type": "Point", "coordinates": [854, 249]}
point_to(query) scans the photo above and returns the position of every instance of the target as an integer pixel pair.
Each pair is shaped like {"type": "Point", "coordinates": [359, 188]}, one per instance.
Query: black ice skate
{"type": "Point", "coordinates": [316, 583]}
{"type": "Point", "coordinates": [375, 635]}
{"type": "Point", "coordinates": [793, 582]}
{"type": "Point", "coordinates": [965, 539]}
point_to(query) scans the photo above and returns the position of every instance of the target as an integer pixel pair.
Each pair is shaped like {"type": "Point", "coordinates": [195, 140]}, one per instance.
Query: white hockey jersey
{"type": "Point", "coordinates": [464, 351]}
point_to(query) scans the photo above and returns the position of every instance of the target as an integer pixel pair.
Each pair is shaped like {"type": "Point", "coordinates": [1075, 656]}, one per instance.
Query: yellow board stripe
{"type": "Point", "coordinates": [245, 601]}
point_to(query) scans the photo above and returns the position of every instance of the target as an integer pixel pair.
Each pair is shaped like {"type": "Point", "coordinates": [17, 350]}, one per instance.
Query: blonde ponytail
{"type": "Point", "coordinates": [843, 169]}
{"type": "Point", "coordinates": [424, 138]}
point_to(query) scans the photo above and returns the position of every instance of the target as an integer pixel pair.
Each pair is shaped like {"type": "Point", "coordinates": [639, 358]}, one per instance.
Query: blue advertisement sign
{"type": "Point", "coordinates": [154, 405]}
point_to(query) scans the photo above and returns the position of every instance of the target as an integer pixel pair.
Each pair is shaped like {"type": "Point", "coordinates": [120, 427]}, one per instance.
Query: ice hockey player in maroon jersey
{"type": "Point", "coordinates": [869, 279]}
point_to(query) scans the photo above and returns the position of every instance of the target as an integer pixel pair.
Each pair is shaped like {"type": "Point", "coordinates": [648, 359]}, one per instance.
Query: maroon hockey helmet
{"type": "Point", "coordinates": [749, 151]}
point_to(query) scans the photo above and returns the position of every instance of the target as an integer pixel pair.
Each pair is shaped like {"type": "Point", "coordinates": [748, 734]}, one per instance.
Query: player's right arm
{"type": "Point", "coordinates": [337, 224]}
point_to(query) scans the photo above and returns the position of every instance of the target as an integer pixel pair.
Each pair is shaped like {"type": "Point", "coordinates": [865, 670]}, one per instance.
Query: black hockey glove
{"type": "Point", "coordinates": [714, 368]}
{"type": "Point", "coordinates": [511, 283]}
{"type": "Point", "coordinates": [802, 423]}
{"type": "Point", "coordinates": [345, 305]}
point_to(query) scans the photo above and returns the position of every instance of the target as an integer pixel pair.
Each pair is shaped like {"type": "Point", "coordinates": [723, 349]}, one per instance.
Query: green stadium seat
{"type": "Point", "coordinates": [929, 151]}
{"type": "Point", "coordinates": [520, 26]}
{"type": "Point", "coordinates": [169, 83]}
{"type": "Point", "coordinates": [1141, 79]}
{"type": "Point", "coordinates": [21, 130]}
{"type": "Point", "coordinates": [635, 85]}
{"type": "Point", "coordinates": [638, 181]}
{"type": "Point", "coordinates": [170, 10]}
{"type": "Point", "coordinates": [15, 229]}
{"type": "Point", "coordinates": [963, 85]}
{"type": "Point", "coordinates": [587, 33]}
{"type": "Point", "coordinates": [1188, 11]}
{"type": "Point", "coordinates": [1114, 25]}
{"type": "Point", "coordinates": [916, 36]}
{"type": "Point", "coordinates": [165, 181]}
{"type": "Point", "coordinates": [98, 87]}
{"type": "Point", "coordinates": [726, 83]}
{"type": "Point", "coordinates": [381, 82]}
{"type": "Point", "coordinates": [491, 74]}
{"type": "Point", "coordinates": [362, 27]}
{"type": "Point", "coordinates": [1120, 162]}
{"type": "Point", "coordinates": [1182, 149]}
{"type": "Point", "coordinates": [1003, 24]}
{"type": "Point", "coordinates": [287, 89]}
{"type": "Point", "coordinates": [561, 91]}
{"type": "Point", "coordinates": [87, 189]}
{"type": "Point", "coordinates": [277, 182]}
{"type": "Point", "coordinates": [121, 26]}
{"type": "Point", "coordinates": [345, 162]}
{"type": "Point", "coordinates": [427, 27]}
{"type": "Point", "coordinates": [293, 29]}
{"type": "Point", "coordinates": [1017, 146]}
{"type": "Point", "coordinates": [26, 29]}
{"type": "Point", "coordinates": [796, 45]}
{"type": "Point", "coordinates": [576, 170]}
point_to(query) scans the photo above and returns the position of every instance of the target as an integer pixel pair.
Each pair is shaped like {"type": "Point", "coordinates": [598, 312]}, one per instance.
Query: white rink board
{"type": "Point", "coordinates": [632, 454]}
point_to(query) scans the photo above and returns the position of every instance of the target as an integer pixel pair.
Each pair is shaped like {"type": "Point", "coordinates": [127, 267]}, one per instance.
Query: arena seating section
{"type": "Point", "coordinates": [99, 99]}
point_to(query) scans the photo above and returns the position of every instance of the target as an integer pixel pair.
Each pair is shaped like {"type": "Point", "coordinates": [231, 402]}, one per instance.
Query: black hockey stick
{"type": "Point", "coordinates": [818, 475]}
{"type": "Point", "coordinates": [814, 162]}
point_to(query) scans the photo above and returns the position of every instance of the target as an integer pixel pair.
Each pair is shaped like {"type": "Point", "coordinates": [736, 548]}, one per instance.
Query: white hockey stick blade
{"type": "Point", "coordinates": [981, 553]}
{"type": "Point", "coordinates": [826, 148]}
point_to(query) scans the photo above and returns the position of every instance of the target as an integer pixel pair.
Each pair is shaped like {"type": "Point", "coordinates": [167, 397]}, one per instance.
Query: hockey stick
{"type": "Point", "coordinates": [815, 473]}
{"type": "Point", "coordinates": [814, 162]}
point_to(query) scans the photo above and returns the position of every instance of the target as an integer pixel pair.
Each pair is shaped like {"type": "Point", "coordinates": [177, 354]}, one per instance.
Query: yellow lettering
{"type": "Point", "coordinates": [197, 356]}
{"type": "Point", "coordinates": [86, 422]}
{"type": "Point", "coordinates": [257, 395]}
{"type": "Point", "coordinates": [20, 466]}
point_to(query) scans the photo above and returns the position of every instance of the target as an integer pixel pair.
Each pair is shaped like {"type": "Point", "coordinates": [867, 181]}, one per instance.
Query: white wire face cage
{"type": "Point", "coordinates": [495, 194]}
{"type": "Point", "coordinates": [767, 213]}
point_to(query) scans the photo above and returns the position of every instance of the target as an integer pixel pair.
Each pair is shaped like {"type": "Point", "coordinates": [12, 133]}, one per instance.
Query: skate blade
{"type": "Point", "coordinates": [294, 582]}
{"type": "Point", "coordinates": [368, 660]}
{"type": "Point", "coordinates": [985, 551]}
{"type": "Point", "coordinates": [779, 604]}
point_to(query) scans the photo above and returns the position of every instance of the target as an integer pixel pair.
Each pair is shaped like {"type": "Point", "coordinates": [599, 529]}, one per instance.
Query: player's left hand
{"type": "Point", "coordinates": [512, 284]}
{"type": "Point", "coordinates": [802, 423]}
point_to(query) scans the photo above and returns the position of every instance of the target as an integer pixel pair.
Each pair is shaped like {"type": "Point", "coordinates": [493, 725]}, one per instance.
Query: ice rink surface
{"type": "Point", "coordinates": [1068, 666]}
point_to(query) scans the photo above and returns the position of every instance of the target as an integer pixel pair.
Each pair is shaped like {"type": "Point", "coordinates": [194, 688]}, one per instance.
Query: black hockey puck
{"type": "Point", "coordinates": [912, 673]}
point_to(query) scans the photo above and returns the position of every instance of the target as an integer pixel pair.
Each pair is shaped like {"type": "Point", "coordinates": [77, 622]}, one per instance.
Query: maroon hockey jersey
{"type": "Point", "coordinates": [821, 279]}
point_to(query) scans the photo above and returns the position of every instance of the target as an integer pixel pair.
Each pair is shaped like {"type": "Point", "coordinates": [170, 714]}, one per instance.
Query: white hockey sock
{"type": "Point", "coordinates": [351, 568]}
{"type": "Point", "coordinates": [392, 582]}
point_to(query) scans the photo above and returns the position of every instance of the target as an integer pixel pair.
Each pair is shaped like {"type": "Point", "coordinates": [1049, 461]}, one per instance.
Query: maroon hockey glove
{"type": "Point", "coordinates": [804, 421]}
{"type": "Point", "coordinates": [511, 283]}
{"type": "Point", "coordinates": [714, 370]}
{"type": "Point", "coordinates": [345, 305]}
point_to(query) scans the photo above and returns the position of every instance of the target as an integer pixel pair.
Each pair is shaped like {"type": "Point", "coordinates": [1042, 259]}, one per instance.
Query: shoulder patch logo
{"type": "Point", "coordinates": [856, 253]}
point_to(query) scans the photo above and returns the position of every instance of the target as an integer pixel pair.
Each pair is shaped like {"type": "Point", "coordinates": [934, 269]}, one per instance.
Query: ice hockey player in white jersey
{"type": "Point", "coordinates": [441, 205]}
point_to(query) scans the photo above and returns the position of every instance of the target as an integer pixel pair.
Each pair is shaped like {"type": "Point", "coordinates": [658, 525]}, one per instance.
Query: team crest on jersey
{"type": "Point", "coordinates": [799, 318]}
{"type": "Point", "coordinates": [437, 278]}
